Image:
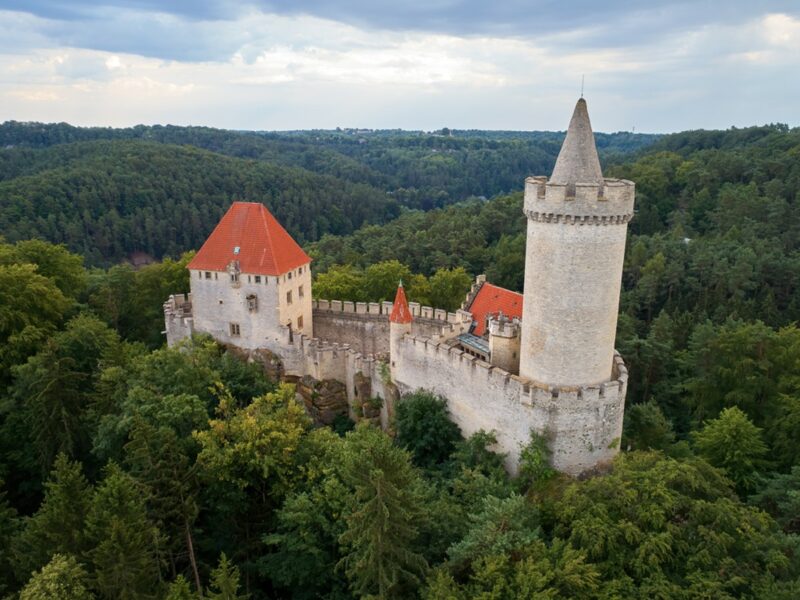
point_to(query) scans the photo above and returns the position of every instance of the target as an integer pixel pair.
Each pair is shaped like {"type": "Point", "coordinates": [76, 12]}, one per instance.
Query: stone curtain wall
{"type": "Point", "coordinates": [365, 326]}
{"type": "Point", "coordinates": [583, 425]}
{"type": "Point", "coordinates": [365, 333]}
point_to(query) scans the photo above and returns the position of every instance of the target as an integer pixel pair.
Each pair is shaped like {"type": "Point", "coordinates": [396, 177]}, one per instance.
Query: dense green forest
{"type": "Point", "coordinates": [107, 193]}
{"type": "Point", "coordinates": [130, 470]}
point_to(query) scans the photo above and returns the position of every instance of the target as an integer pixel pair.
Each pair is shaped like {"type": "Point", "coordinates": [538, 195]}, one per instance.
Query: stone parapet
{"type": "Point", "coordinates": [590, 204]}
{"type": "Point", "coordinates": [385, 309]}
{"type": "Point", "coordinates": [530, 392]}
{"type": "Point", "coordinates": [502, 326]}
{"type": "Point", "coordinates": [473, 291]}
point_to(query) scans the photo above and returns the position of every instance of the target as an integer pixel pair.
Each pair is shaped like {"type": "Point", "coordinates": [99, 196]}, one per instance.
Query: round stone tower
{"type": "Point", "coordinates": [577, 224]}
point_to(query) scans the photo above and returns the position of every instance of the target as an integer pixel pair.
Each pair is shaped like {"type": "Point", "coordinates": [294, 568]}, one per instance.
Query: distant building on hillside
{"type": "Point", "coordinates": [542, 361]}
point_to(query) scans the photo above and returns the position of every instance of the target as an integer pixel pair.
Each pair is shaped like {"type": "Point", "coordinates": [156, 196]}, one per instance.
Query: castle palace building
{"type": "Point", "coordinates": [540, 362]}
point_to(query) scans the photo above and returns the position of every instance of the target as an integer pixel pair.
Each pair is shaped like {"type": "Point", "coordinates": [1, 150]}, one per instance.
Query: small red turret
{"type": "Point", "coordinates": [400, 311]}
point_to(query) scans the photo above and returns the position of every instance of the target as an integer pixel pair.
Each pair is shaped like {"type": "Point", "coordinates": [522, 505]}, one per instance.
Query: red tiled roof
{"type": "Point", "coordinates": [400, 311]}
{"type": "Point", "coordinates": [265, 248]}
{"type": "Point", "coordinates": [491, 299]}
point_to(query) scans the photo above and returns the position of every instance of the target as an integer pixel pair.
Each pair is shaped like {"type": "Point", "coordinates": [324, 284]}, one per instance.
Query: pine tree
{"type": "Point", "coordinates": [380, 558]}
{"type": "Point", "coordinates": [225, 581]}
{"type": "Point", "coordinates": [9, 524]}
{"type": "Point", "coordinates": [734, 444]}
{"type": "Point", "coordinates": [124, 543]}
{"type": "Point", "coordinates": [158, 461]}
{"type": "Point", "coordinates": [180, 590]}
{"type": "Point", "coordinates": [57, 527]}
{"type": "Point", "coordinates": [62, 578]}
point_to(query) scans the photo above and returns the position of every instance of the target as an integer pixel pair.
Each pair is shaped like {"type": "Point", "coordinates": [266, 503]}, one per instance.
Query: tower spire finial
{"type": "Point", "coordinates": [582, 80]}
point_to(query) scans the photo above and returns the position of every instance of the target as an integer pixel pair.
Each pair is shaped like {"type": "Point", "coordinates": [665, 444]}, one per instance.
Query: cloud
{"type": "Point", "coordinates": [237, 65]}
{"type": "Point", "coordinates": [209, 29]}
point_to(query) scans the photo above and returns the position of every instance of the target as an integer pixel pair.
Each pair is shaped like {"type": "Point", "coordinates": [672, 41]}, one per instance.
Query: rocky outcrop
{"type": "Point", "coordinates": [324, 400]}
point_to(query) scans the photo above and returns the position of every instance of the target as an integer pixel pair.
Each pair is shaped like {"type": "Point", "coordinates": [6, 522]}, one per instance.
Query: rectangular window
{"type": "Point", "coordinates": [289, 297]}
{"type": "Point", "coordinates": [248, 279]}
{"type": "Point", "coordinates": [252, 303]}
{"type": "Point", "coordinates": [258, 278]}
{"type": "Point", "coordinates": [235, 329]}
{"type": "Point", "coordinates": [208, 274]}
{"type": "Point", "coordinates": [215, 275]}
{"type": "Point", "coordinates": [290, 274]}
{"type": "Point", "coordinates": [199, 274]}
{"type": "Point", "coordinates": [300, 293]}
{"type": "Point", "coordinates": [234, 278]}
{"type": "Point", "coordinates": [299, 322]}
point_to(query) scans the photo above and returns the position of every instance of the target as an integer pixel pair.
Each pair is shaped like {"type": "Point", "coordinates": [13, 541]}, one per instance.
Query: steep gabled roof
{"type": "Point", "coordinates": [400, 311]}
{"type": "Point", "coordinates": [250, 234]}
{"type": "Point", "coordinates": [578, 161]}
{"type": "Point", "coordinates": [492, 299]}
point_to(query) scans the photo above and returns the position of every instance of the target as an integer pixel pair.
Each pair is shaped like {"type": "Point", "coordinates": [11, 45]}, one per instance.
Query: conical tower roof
{"type": "Point", "coordinates": [578, 162]}
{"type": "Point", "coordinates": [401, 313]}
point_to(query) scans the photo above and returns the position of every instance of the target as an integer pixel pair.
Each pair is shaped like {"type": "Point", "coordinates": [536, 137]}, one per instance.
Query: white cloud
{"type": "Point", "coordinates": [282, 72]}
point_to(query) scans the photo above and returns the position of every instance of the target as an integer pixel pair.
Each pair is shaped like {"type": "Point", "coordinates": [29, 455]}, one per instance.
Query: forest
{"type": "Point", "coordinates": [131, 470]}
{"type": "Point", "coordinates": [109, 193]}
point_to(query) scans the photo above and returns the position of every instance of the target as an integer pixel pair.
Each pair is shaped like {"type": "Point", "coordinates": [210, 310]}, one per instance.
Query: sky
{"type": "Point", "coordinates": [648, 65]}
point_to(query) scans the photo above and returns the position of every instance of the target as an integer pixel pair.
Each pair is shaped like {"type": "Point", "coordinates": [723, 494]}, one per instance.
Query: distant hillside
{"type": "Point", "coordinates": [734, 195]}
{"type": "Point", "coordinates": [107, 199]}
{"type": "Point", "coordinates": [421, 170]}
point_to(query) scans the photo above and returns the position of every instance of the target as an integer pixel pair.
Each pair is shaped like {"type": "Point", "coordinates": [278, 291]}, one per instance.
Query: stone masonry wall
{"type": "Point", "coordinates": [365, 326]}
{"type": "Point", "coordinates": [178, 318]}
{"type": "Point", "coordinates": [574, 257]}
{"type": "Point", "coordinates": [587, 420]}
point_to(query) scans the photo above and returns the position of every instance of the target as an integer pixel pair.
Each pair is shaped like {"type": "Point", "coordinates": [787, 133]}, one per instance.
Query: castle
{"type": "Point", "coordinates": [542, 361]}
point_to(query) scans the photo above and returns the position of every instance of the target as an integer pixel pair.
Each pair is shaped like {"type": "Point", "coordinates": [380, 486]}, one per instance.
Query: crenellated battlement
{"type": "Point", "coordinates": [384, 309]}
{"type": "Point", "coordinates": [579, 204]}
{"type": "Point", "coordinates": [529, 392]}
{"type": "Point", "coordinates": [501, 326]}
{"type": "Point", "coordinates": [473, 291]}
{"type": "Point", "coordinates": [178, 318]}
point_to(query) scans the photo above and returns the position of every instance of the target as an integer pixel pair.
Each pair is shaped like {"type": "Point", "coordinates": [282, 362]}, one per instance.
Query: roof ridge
{"type": "Point", "coordinates": [263, 211]}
